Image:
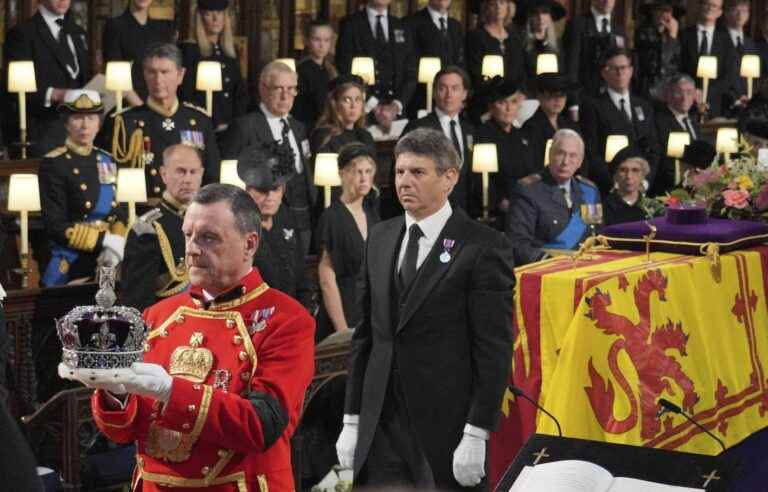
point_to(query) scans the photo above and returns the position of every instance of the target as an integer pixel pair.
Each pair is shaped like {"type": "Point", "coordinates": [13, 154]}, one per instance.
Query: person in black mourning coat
{"type": "Point", "coordinates": [514, 147]}
{"type": "Point", "coordinates": [126, 38]}
{"type": "Point", "coordinates": [341, 235]}
{"type": "Point", "coordinates": [540, 36]}
{"type": "Point", "coordinates": [433, 281]}
{"type": "Point", "coordinates": [451, 88]}
{"type": "Point", "coordinates": [343, 118]}
{"type": "Point", "coordinates": [372, 32]}
{"type": "Point", "coordinates": [495, 35]}
{"type": "Point", "coordinates": [552, 92]}
{"type": "Point", "coordinates": [625, 201]}
{"type": "Point", "coordinates": [705, 38]}
{"type": "Point", "coordinates": [315, 71]}
{"type": "Point", "coordinates": [214, 41]}
{"type": "Point", "coordinates": [657, 44]}
{"type": "Point", "coordinates": [17, 463]}
{"type": "Point", "coordinates": [82, 218]}
{"type": "Point", "coordinates": [586, 40]}
{"type": "Point", "coordinates": [617, 111]}
{"type": "Point", "coordinates": [59, 49]}
{"type": "Point", "coordinates": [265, 170]}
{"type": "Point", "coordinates": [736, 20]}
{"type": "Point", "coordinates": [435, 34]}
{"type": "Point", "coordinates": [154, 266]}
{"type": "Point", "coordinates": [676, 115]}
{"type": "Point", "coordinates": [271, 122]}
{"type": "Point", "coordinates": [139, 135]}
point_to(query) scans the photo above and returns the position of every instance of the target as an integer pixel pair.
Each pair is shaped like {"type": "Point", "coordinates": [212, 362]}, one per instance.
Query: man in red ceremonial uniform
{"type": "Point", "coordinates": [220, 391]}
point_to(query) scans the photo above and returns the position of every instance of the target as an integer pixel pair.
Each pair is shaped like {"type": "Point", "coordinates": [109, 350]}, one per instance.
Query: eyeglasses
{"type": "Point", "coordinates": [276, 89]}
{"type": "Point", "coordinates": [618, 68]}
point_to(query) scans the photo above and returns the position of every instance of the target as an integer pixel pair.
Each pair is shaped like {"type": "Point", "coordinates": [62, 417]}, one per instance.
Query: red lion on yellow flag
{"type": "Point", "coordinates": [646, 350]}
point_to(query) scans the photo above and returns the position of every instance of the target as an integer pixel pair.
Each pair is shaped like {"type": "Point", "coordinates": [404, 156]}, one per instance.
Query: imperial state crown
{"type": "Point", "coordinates": [102, 336]}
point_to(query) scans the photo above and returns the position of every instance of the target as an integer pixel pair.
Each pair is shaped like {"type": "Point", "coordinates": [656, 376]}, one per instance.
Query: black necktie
{"type": "Point", "coordinates": [64, 42]}
{"type": "Point", "coordinates": [605, 26]}
{"type": "Point", "coordinates": [704, 46]}
{"type": "Point", "coordinates": [286, 130]}
{"type": "Point", "coordinates": [688, 128]}
{"type": "Point", "coordinates": [380, 37]}
{"type": "Point", "coordinates": [455, 139]}
{"type": "Point", "coordinates": [623, 108]}
{"type": "Point", "coordinates": [738, 43]}
{"type": "Point", "coordinates": [443, 27]}
{"type": "Point", "coordinates": [408, 269]}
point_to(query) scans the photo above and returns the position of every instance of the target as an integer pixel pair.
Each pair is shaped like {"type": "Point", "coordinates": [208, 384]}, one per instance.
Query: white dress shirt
{"type": "Point", "coordinates": [372, 14]}
{"type": "Point", "coordinates": [445, 124]}
{"type": "Point", "coordinates": [566, 187]}
{"type": "Point", "coordinates": [50, 20]}
{"type": "Point", "coordinates": [276, 126]}
{"type": "Point", "coordinates": [736, 34]}
{"type": "Point", "coordinates": [710, 37]}
{"type": "Point", "coordinates": [680, 117]}
{"type": "Point", "coordinates": [431, 227]}
{"type": "Point", "coordinates": [599, 20]}
{"type": "Point", "coordinates": [436, 16]}
{"type": "Point", "coordinates": [616, 99]}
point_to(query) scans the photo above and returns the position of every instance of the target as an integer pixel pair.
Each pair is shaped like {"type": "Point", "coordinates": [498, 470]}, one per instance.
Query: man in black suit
{"type": "Point", "coordinates": [451, 87]}
{"type": "Point", "coordinates": [617, 112]}
{"type": "Point", "coordinates": [736, 20]}
{"type": "Point", "coordinates": [59, 50]}
{"type": "Point", "coordinates": [438, 35]}
{"type": "Point", "coordinates": [430, 359]}
{"type": "Point", "coordinates": [586, 40]}
{"type": "Point", "coordinates": [675, 116]}
{"type": "Point", "coordinates": [372, 32]}
{"type": "Point", "coordinates": [273, 123]}
{"type": "Point", "coordinates": [704, 38]}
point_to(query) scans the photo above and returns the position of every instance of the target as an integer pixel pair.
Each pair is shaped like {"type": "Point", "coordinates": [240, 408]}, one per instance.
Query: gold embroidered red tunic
{"type": "Point", "coordinates": [241, 364]}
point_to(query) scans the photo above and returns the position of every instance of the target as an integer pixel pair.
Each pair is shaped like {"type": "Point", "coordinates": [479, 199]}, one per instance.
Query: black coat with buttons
{"type": "Point", "coordinates": [189, 125]}
{"type": "Point", "coordinates": [231, 101]}
{"type": "Point", "coordinates": [69, 190]}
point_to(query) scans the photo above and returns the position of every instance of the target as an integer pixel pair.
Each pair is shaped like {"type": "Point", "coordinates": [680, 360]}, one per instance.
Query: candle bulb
{"type": "Point", "coordinates": [229, 175]}
{"type": "Point", "coordinates": [363, 67]}
{"type": "Point", "coordinates": [546, 63]}
{"type": "Point", "coordinates": [21, 79]}
{"type": "Point", "coordinates": [676, 143]}
{"type": "Point", "coordinates": [209, 81]}
{"type": "Point", "coordinates": [493, 65]}
{"type": "Point", "coordinates": [24, 197]}
{"type": "Point", "coordinates": [428, 68]}
{"type": "Point", "coordinates": [727, 142]}
{"type": "Point", "coordinates": [485, 160]}
{"type": "Point", "coordinates": [547, 148]}
{"type": "Point", "coordinates": [706, 70]}
{"type": "Point", "coordinates": [327, 173]}
{"type": "Point", "coordinates": [750, 69]}
{"type": "Point", "coordinates": [119, 80]}
{"type": "Point", "coordinates": [613, 144]}
{"type": "Point", "coordinates": [131, 188]}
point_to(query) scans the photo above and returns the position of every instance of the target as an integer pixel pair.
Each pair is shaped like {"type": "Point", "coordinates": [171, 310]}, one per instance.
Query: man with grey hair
{"type": "Point", "coordinates": [226, 365]}
{"type": "Point", "coordinates": [677, 115]}
{"type": "Point", "coordinates": [545, 209]}
{"type": "Point", "coordinates": [272, 122]}
{"type": "Point", "coordinates": [141, 134]}
{"type": "Point", "coordinates": [433, 282]}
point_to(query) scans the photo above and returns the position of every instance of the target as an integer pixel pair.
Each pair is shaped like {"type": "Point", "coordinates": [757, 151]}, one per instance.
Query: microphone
{"type": "Point", "coordinates": [668, 406]}
{"type": "Point", "coordinates": [518, 392]}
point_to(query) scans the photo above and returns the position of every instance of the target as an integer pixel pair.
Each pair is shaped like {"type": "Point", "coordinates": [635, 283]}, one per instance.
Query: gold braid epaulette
{"type": "Point", "coordinates": [178, 275]}
{"type": "Point", "coordinates": [132, 153]}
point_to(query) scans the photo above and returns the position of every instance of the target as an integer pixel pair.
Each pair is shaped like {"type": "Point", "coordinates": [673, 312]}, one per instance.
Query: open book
{"type": "Point", "coordinates": [583, 476]}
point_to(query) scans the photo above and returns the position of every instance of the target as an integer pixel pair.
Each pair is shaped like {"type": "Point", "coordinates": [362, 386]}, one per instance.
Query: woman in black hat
{"type": "Point", "coordinates": [213, 40]}
{"type": "Point", "coordinates": [315, 70]}
{"type": "Point", "coordinates": [658, 49]}
{"type": "Point", "coordinates": [540, 36]}
{"type": "Point", "coordinates": [343, 118]}
{"type": "Point", "coordinates": [280, 258]}
{"type": "Point", "coordinates": [625, 201]}
{"type": "Point", "coordinates": [513, 146]}
{"type": "Point", "coordinates": [341, 236]}
{"type": "Point", "coordinates": [495, 35]}
{"type": "Point", "coordinates": [127, 36]}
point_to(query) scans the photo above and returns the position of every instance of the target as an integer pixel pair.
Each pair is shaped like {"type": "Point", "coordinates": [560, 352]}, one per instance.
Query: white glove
{"type": "Point", "coordinates": [347, 442]}
{"type": "Point", "coordinates": [469, 460]}
{"type": "Point", "coordinates": [150, 380]}
{"type": "Point", "coordinates": [105, 379]}
{"type": "Point", "coordinates": [114, 243]}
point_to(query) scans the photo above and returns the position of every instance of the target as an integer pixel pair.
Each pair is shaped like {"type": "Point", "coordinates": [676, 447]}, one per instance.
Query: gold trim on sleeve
{"type": "Point", "coordinates": [178, 273]}
{"type": "Point", "coordinates": [224, 306]}
{"type": "Point", "coordinates": [175, 446]}
{"type": "Point", "coordinates": [263, 486]}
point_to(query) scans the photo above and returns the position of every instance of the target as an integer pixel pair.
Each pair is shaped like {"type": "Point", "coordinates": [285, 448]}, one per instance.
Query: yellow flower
{"type": "Point", "coordinates": [744, 182]}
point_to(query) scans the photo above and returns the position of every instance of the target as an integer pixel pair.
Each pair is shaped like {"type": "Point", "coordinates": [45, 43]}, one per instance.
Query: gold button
{"type": "Point", "coordinates": [153, 171]}
{"type": "Point", "coordinates": [180, 318]}
{"type": "Point", "coordinates": [205, 470]}
{"type": "Point", "coordinates": [192, 122]}
{"type": "Point", "coordinates": [75, 171]}
{"type": "Point", "coordinates": [147, 347]}
{"type": "Point", "coordinates": [222, 453]}
{"type": "Point", "coordinates": [191, 408]}
{"type": "Point", "coordinates": [245, 376]}
{"type": "Point", "coordinates": [88, 204]}
{"type": "Point", "coordinates": [67, 156]}
{"type": "Point", "coordinates": [141, 124]}
{"type": "Point", "coordinates": [196, 386]}
{"type": "Point", "coordinates": [230, 323]}
{"type": "Point", "coordinates": [164, 333]}
{"type": "Point", "coordinates": [83, 186]}
{"type": "Point", "coordinates": [242, 355]}
{"type": "Point", "coordinates": [186, 426]}
{"type": "Point", "coordinates": [157, 189]}
{"type": "Point", "coordinates": [237, 340]}
{"type": "Point", "coordinates": [114, 204]}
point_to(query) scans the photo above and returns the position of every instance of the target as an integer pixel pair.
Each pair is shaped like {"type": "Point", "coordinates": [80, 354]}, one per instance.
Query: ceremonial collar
{"type": "Point", "coordinates": [161, 110]}
{"type": "Point", "coordinates": [83, 150]}
{"type": "Point", "coordinates": [172, 203]}
{"type": "Point", "coordinates": [248, 288]}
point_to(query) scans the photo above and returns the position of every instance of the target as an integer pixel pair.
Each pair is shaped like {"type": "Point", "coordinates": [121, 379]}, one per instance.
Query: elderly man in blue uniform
{"type": "Point", "coordinates": [545, 209]}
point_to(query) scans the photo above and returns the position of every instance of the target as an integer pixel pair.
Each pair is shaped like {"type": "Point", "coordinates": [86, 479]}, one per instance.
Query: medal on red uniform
{"type": "Point", "coordinates": [259, 321]}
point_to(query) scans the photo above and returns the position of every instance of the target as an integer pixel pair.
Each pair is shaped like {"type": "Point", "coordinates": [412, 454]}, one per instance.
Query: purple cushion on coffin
{"type": "Point", "coordinates": [687, 239]}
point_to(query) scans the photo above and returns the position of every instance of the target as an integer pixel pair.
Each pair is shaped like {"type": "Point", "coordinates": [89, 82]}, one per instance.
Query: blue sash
{"type": "Point", "coordinates": [62, 257]}
{"type": "Point", "coordinates": [570, 237]}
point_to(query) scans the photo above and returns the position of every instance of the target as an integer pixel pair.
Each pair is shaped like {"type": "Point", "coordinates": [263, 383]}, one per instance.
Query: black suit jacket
{"type": "Point", "coordinates": [539, 129]}
{"type": "Point", "coordinates": [584, 46]}
{"type": "Point", "coordinates": [599, 117]}
{"type": "Point", "coordinates": [461, 310]}
{"type": "Point", "coordinates": [464, 194]}
{"type": "Point", "coordinates": [663, 179]}
{"type": "Point", "coordinates": [480, 43]}
{"type": "Point", "coordinates": [33, 40]}
{"type": "Point", "coordinates": [357, 39]}
{"type": "Point", "coordinates": [253, 129]}
{"type": "Point", "coordinates": [724, 88]}
{"type": "Point", "coordinates": [748, 47]}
